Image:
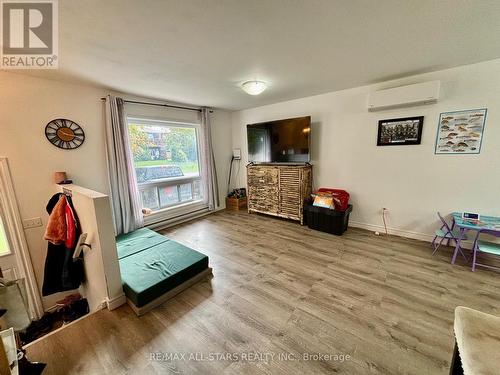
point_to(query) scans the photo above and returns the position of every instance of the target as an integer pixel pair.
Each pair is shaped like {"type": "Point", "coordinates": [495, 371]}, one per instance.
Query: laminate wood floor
{"type": "Point", "coordinates": [282, 289]}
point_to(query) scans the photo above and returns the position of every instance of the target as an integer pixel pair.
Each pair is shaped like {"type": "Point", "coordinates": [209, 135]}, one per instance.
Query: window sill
{"type": "Point", "coordinates": [169, 181]}
{"type": "Point", "coordinates": [174, 212]}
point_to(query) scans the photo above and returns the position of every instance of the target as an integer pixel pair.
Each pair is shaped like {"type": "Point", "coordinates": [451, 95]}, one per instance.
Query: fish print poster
{"type": "Point", "coordinates": [460, 132]}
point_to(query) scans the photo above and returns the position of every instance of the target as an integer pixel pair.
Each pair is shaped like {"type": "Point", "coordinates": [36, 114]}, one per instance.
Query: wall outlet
{"type": "Point", "coordinates": [32, 223]}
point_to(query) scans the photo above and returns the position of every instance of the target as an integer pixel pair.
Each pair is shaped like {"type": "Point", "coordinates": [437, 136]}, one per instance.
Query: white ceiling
{"type": "Point", "coordinates": [199, 51]}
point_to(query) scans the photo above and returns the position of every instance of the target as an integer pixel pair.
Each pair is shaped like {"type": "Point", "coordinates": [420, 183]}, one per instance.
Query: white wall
{"type": "Point", "coordinates": [410, 181]}
{"type": "Point", "coordinates": [27, 104]}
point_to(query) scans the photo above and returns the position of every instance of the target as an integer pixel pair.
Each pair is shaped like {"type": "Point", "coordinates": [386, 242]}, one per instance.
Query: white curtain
{"type": "Point", "coordinates": [208, 169]}
{"type": "Point", "coordinates": [127, 211]}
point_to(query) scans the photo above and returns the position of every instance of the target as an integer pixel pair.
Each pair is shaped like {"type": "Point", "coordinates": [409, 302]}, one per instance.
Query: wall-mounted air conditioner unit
{"type": "Point", "coordinates": [404, 96]}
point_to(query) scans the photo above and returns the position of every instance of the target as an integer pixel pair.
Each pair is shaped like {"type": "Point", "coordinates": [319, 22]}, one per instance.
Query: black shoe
{"type": "Point", "coordinates": [29, 368]}
{"type": "Point", "coordinates": [75, 310]}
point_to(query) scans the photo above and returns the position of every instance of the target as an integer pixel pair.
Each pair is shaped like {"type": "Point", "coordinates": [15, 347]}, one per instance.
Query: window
{"type": "Point", "coordinates": [166, 161]}
{"type": "Point", "coordinates": [4, 245]}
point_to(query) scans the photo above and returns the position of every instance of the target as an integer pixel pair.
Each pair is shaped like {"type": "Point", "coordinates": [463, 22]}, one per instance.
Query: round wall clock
{"type": "Point", "coordinates": [65, 134]}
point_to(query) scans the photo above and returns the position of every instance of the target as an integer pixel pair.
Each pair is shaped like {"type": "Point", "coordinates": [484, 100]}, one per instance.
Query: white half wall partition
{"type": "Point", "coordinates": [102, 285]}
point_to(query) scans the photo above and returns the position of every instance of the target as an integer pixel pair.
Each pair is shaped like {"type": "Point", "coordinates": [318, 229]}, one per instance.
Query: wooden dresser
{"type": "Point", "coordinates": [279, 190]}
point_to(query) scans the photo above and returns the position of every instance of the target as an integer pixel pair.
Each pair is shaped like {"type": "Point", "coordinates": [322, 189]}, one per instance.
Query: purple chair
{"type": "Point", "coordinates": [485, 247]}
{"type": "Point", "coordinates": [446, 233]}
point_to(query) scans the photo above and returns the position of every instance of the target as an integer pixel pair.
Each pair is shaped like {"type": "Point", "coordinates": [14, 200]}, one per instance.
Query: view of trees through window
{"type": "Point", "coordinates": [166, 163]}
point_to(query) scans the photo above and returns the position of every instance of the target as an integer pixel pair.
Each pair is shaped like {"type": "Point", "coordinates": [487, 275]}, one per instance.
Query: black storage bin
{"type": "Point", "coordinates": [327, 220]}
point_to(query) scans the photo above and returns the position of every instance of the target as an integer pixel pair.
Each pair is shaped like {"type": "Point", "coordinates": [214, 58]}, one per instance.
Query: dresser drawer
{"type": "Point", "coordinates": [263, 176]}
{"type": "Point", "coordinates": [263, 197]}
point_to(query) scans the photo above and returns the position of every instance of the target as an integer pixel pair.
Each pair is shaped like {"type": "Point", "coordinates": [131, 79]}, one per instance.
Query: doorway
{"type": "Point", "coordinates": [15, 260]}
{"type": "Point", "coordinates": [8, 262]}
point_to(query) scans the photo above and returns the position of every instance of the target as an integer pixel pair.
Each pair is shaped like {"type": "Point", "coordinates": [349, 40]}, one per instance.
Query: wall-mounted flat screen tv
{"type": "Point", "coordinates": [280, 141]}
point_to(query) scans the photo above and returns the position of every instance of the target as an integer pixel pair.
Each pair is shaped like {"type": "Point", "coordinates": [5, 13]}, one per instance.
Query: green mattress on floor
{"type": "Point", "coordinates": [152, 264]}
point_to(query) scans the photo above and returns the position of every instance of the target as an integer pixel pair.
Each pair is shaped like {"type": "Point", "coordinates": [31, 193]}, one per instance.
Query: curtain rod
{"type": "Point", "coordinates": [162, 105]}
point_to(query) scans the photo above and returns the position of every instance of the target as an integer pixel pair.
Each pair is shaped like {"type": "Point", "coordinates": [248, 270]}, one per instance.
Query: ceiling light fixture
{"type": "Point", "coordinates": [254, 87]}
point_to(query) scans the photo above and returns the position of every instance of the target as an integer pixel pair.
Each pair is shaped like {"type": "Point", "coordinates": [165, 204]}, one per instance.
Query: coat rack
{"type": "Point", "coordinates": [67, 192]}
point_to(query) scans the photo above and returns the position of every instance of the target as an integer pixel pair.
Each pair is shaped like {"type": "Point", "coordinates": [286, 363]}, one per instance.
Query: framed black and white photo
{"type": "Point", "coordinates": [400, 131]}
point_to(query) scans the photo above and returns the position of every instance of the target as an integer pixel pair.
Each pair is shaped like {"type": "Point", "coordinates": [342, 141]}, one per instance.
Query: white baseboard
{"type": "Point", "coordinates": [401, 233]}
{"type": "Point", "coordinates": [116, 302]}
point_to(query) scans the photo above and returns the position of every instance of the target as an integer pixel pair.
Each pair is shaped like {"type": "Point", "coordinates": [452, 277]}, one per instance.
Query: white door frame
{"type": "Point", "coordinates": [14, 228]}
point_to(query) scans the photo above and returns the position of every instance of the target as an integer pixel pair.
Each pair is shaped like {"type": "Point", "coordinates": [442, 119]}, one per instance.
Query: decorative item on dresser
{"type": "Point", "coordinates": [279, 190]}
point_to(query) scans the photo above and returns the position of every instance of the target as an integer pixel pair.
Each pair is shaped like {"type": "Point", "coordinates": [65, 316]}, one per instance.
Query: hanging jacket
{"type": "Point", "coordinates": [61, 272]}
{"type": "Point", "coordinates": [70, 227]}
{"type": "Point", "coordinates": [56, 231]}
